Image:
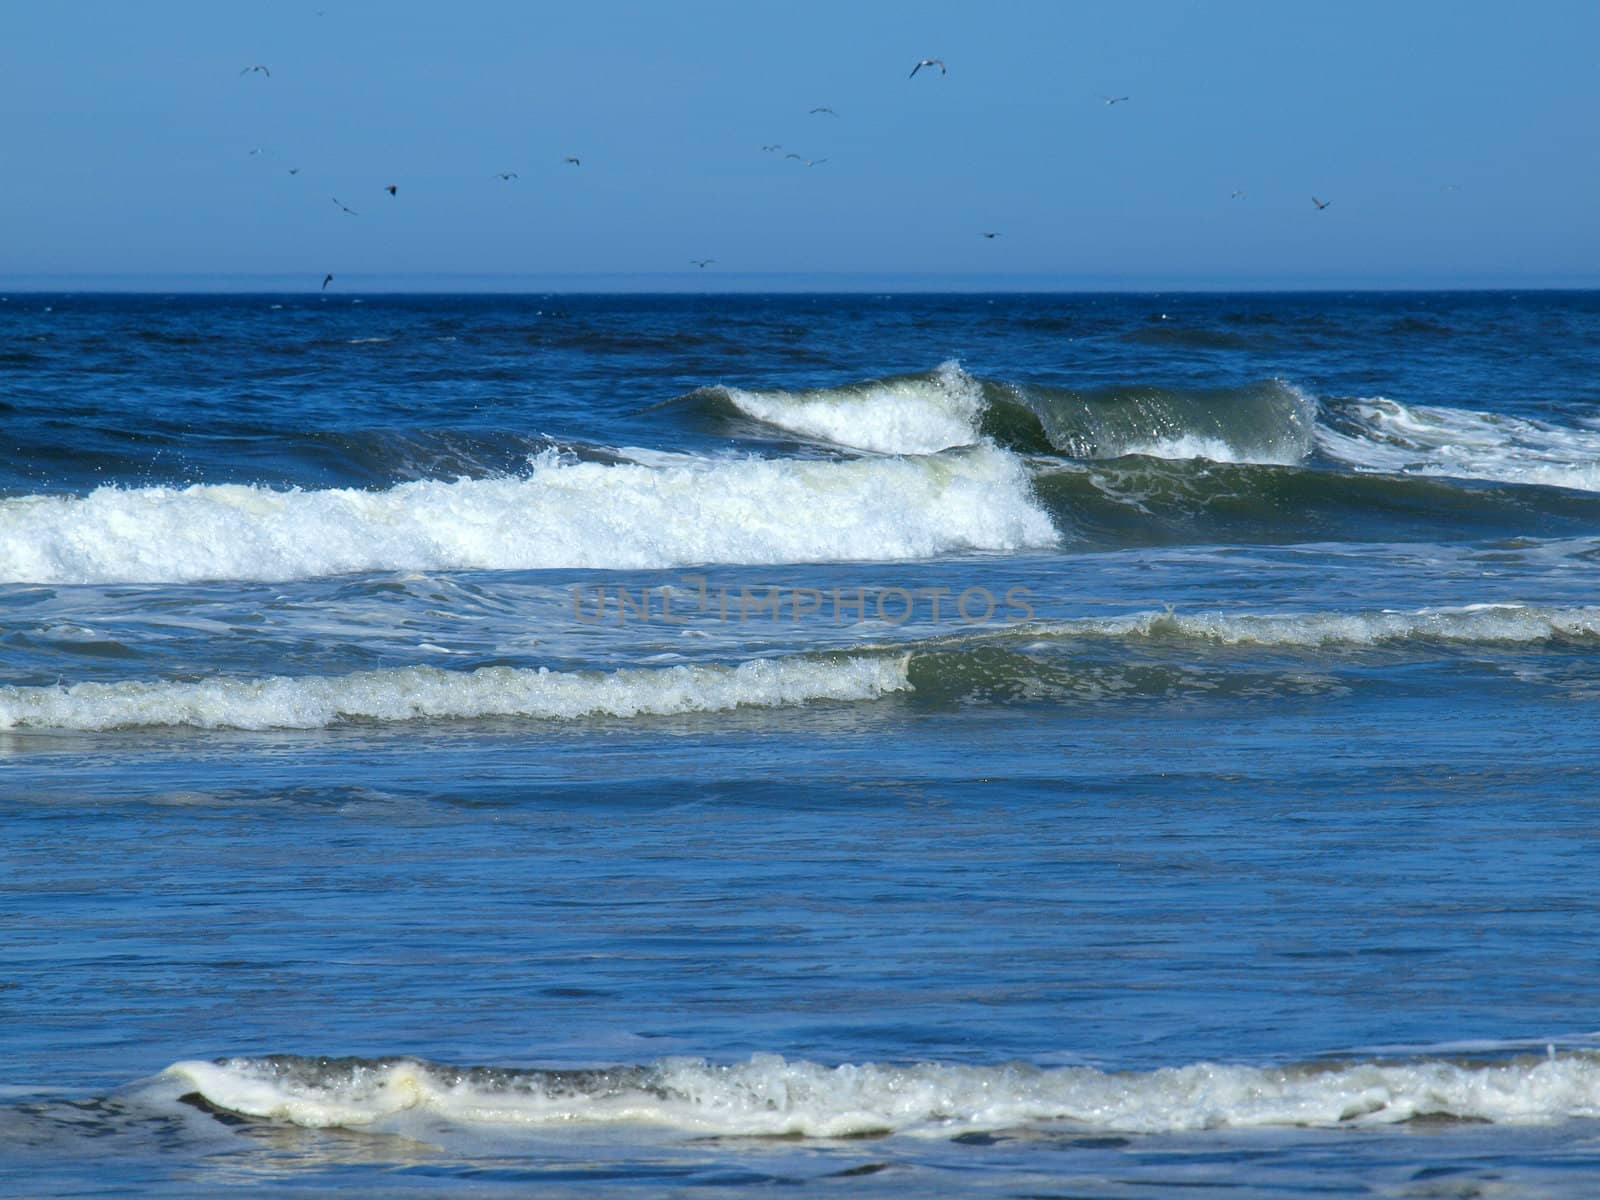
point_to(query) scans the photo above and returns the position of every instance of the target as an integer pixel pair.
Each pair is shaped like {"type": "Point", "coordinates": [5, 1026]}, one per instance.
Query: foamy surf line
{"type": "Point", "coordinates": [561, 515]}
{"type": "Point", "coordinates": [1379, 434]}
{"type": "Point", "coordinates": [1468, 624]}
{"type": "Point", "coordinates": [413, 693]}
{"type": "Point", "coordinates": [770, 1096]}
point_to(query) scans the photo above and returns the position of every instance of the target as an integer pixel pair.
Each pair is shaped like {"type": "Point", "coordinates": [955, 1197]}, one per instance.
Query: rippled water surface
{"type": "Point", "coordinates": [1014, 745]}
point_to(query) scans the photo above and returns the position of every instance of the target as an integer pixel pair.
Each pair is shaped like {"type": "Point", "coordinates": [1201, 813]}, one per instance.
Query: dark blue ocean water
{"type": "Point", "coordinates": [896, 745]}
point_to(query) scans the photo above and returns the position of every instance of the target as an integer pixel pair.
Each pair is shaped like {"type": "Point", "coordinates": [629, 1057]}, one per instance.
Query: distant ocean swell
{"type": "Point", "coordinates": [1141, 656]}
{"type": "Point", "coordinates": [769, 1096]}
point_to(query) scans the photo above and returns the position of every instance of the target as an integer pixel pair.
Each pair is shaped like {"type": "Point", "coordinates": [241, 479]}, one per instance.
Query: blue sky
{"type": "Point", "coordinates": [1456, 144]}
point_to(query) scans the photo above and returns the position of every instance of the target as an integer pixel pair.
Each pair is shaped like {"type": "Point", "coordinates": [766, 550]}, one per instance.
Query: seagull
{"type": "Point", "coordinates": [256, 151]}
{"type": "Point", "coordinates": [1115, 99]}
{"type": "Point", "coordinates": [810, 162]}
{"type": "Point", "coordinates": [326, 280]}
{"type": "Point", "coordinates": [1237, 196]}
{"type": "Point", "coordinates": [927, 62]}
{"type": "Point", "coordinates": [294, 170]}
{"type": "Point", "coordinates": [825, 109]}
{"type": "Point", "coordinates": [774, 146]}
{"type": "Point", "coordinates": [702, 263]}
{"type": "Point", "coordinates": [573, 160]}
{"type": "Point", "coordinates": [346, 208]}
{"type": "Point", "coordinates": [508, 176]}
{"type": "Point", "coordinates": [391, 189]}
{"type": "Point", "coordinates": [1321, 204]}
{"type": "Point", "coordinates": [991, 235]}
{"type": "Point", "coordinates": [257, 67]}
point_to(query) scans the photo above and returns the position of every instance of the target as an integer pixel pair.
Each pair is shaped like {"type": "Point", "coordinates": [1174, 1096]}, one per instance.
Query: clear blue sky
{"type": "Point", "coordinates": [1458, 144]}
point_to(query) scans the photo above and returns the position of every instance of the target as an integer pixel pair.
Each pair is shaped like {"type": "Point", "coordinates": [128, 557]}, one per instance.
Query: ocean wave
{"type": "Point", "coordinates": [991, 659]}
{"type": "Point", "coordinates": [411, 693]}
{"type": "Point", "coordinates": [769, 1096]}
{"type": "Point", "coordinates": [1384, 435]}
{"type": "Point", "coordinates": [1480, 624]}
{"type": "Point", "coordinates": [1152, 501]}
{"type": "Point", "coordinates": [1267, 422]}
{"type": "Point", "coordinates": [561, 514]}
{"type": "Point", "coordinates": [904, 414]}
{"type": "Point", "coordinates": [1165, 656]}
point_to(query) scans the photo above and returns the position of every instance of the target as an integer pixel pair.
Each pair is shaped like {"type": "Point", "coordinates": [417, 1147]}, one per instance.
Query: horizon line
{"type": "Point", "coordinates": [736, 283]}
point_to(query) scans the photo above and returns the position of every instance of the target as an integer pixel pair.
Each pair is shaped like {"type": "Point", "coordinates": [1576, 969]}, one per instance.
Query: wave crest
{"type": "Point", "coordinates": [904, 414]}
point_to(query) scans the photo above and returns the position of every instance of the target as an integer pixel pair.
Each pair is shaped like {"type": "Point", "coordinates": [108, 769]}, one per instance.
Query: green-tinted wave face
{"type": "Point", "coordinates": [1269, 422]}
{"type": "Point", "coordinates": [1167, 657]}
{"type": "Point", "coordinates": [1151, 502]}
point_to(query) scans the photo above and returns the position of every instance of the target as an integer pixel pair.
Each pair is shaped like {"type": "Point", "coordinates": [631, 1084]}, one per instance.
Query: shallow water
{"type": "Point", "coordinates": [1014, 745]}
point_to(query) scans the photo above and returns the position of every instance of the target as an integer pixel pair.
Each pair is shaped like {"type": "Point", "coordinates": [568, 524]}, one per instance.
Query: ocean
{"type": "Point", "coordinates": [887, 745]}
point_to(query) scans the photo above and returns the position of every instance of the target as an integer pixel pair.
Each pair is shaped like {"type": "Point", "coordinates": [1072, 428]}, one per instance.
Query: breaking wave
{"type": "Point", "coordinates": [770, 1096]}
{"type": "Point", "coordinates": [562, 514]}
{"type": "Point", "coordinates": [411, 693]}
{"type": "Point", "coordinates": [1384, 435]}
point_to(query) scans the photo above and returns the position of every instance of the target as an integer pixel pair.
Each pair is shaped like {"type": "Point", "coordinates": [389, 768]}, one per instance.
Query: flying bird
{"type": "Point", "coordinates": [991, 235]}
{"type": "Point", "coordinates": [702, 263]}
{"type": "Point", "coordinates": [825, 109]}
{"type": "Point", "coordinates": [1237, 196]}
{"type": "Point", "coordinates": [345, 207]}
{"type": "Point", "coordinates": [810, 162]}
{"type": "Point", "coordinates": [927, 62]}
{"type": "Point", "coordinates": [573, 160]}
{"type": "Point", "coordinates": [774, 146]}
{"type": "Point", "coordinates": [508, 176]}
{"type": "Point", "coordinates": [257, 67]}
{"type": "Point", "coordinates": [326, 280]}
{"type": "Point", "coordinates": [391, 189]}
{"type": "Point", "coordinates": [294, 170]}
{"type": "Point", "coordinates": [1321, 204]}
{"type": "Point", "coordinates": [1115, 99]}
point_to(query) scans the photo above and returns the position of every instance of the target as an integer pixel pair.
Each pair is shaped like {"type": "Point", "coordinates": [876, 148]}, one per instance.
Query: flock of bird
{"type": "Point", "coordinates": [771, 148]}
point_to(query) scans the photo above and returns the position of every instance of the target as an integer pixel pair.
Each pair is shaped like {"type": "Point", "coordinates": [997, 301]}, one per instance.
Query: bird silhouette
{"type": "Point", "coordinates": [345, 207]}
{"type": "Point", "coordinates": [1321, 204]}
{"type": "Point", "coordinates": [391, 189]}
{"type": "Point", "coordinates": [326, 280]}
{"type": "Point", "coordinates": [702, 263]}
{"type": "Point", "coordinates": [927, 62]}
{"type": "Point", "coordinates": [257, 67]}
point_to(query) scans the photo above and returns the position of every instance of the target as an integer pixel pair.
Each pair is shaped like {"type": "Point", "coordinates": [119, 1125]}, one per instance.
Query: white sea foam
{"type": "Point", "coordinates": [769, 1096]}
{"type": "Point", "coordinates": [560, 515]}
{"type": "Point", "coordinates": [407, 693]}
{"type": "Point", "coordinates": [1476, 623]}
{"type": "Point", "coordinates": [1459, 443]}
{"type": "Point", "coordinates": [913, 414]}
